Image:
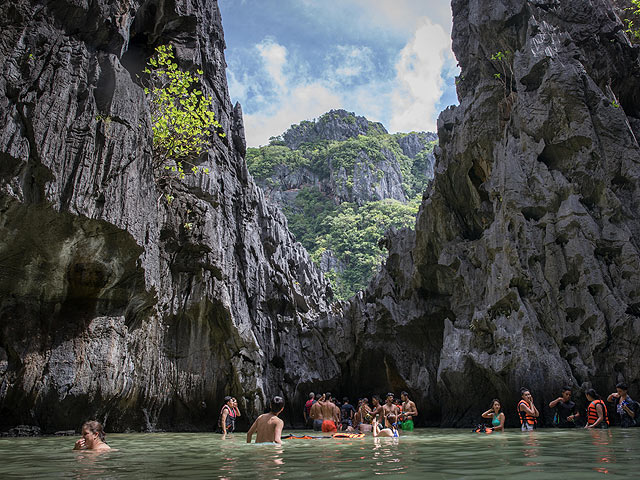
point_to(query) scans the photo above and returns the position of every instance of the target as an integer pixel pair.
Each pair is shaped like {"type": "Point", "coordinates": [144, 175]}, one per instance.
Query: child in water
{"type": "Point", "coordinates": [268, 426]}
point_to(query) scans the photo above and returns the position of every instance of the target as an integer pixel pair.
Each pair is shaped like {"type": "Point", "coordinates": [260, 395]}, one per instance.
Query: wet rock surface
{"type": "Point", "coordinates": [523, 269]}
{"type": "Point", "coordinates": [524, 266]}
{"type": "Point", "coordinates": [111, 307]}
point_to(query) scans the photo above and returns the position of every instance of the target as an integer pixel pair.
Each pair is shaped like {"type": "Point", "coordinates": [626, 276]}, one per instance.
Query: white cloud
{"type": "Point", "coordinates": [274, 57]}
{"type": "Point", "coordinates": [419, 83]}
{"type": "Point", "coordinates": [405, 15]}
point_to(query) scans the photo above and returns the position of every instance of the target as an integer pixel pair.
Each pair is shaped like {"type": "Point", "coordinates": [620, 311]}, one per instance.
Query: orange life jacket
{"type": "Point", "coordinates": [592, 412]}
{"type": "Point", "coordinates": [524, 416]}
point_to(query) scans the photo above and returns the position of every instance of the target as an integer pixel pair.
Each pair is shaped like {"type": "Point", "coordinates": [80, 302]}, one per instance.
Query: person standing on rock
{"type": "Point", "coordinates": [307, 409]}
{"type": "Point", "coordinates": [268, 426]}
{"type": "Point", "coordinates": [566, 411]}
{"type": "Point", "coordinates": [527, 411]}
{"type": "Point", "coordinates": [93, 437]}
{"type": "Point", "coordinates": [625, 406]}
{"type": "Point", "coordinates": [596, 411]}
{"type": "Point", "coordinates": [409, 410]}
{"type": "Point", "coordinates": [315, 413]}
{"type": "Point", "coordinates": [228, 415]}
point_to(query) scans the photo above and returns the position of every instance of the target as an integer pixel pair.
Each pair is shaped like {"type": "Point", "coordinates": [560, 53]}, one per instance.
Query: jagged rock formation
{"type": "Point", "coordinates": [349, 171]}
{"type": "Point", "coordinates": [115, 304]}
{"type": "Point", "coordinates": [334, 125]}
{"type": "Point", "coordinates": [525, 265]}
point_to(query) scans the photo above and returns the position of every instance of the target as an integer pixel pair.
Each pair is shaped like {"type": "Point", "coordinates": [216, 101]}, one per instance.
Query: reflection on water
{"type": "Point", "coordinates": [446, 454]}
{"type": "Point", "coordinates": [604, 453]}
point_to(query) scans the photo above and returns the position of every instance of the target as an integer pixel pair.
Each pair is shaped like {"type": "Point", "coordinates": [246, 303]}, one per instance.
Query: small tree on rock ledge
{"type": "Point", "coordinates": [181, 116]}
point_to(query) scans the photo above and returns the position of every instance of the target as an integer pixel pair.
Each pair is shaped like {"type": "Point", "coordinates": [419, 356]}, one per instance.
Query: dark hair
{"type": "Point", "coordinates": [592, 393]}
{"type": "Point", "coordinates": [376, 397]}
{"type": "Point", "coordinates": [328, 395]}
{"type": "Point", "coordinates": [277, 404]}
{"type": "Point", "coordinates": [390, 395]}
{"type": "Point", "coordinates": [227, 398]}
{"type": "Point", "coordinates": [404, 393]}
{"type": "Point", "coordinates": [345, 399]}
{"type": "Point", "coordinates": [494, 401]}
{"type": "Point", "coordinates": [524, 389]}
{"type": "Point", "coordinates": [365, 400]}
{"type": "Point", "coordinates": [311, 395]}
{"type": "Point", "coordinates": [95, 427]}
{"type": "Point", "coordinates": [622, 386]}
{"type": "Point", "coordinates": [566, 388]}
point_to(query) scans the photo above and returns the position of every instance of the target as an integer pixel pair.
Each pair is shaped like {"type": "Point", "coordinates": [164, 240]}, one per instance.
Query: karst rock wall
{"type": "Point", "coordinates": [524, 269]}
{"type": "Point", "coordinates": [110, 307]}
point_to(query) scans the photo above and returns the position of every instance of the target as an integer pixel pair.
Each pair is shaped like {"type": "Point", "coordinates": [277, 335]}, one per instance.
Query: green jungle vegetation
{"type": "Point", "coordinates": [350, 231]}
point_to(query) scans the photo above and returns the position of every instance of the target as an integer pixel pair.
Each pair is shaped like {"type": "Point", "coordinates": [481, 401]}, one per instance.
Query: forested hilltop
{"type": "Point", "coordinates": [342, 182]}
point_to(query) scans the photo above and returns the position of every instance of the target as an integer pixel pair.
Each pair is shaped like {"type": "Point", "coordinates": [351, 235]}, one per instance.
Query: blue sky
{"type": "Point", "coordinates": [293, 60]}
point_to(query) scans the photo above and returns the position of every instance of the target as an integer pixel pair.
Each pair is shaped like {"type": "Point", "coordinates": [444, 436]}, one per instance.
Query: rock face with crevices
{"type": "Point", "coordinates": [524, 268]}
{"type": "Point", "coordinates": [116, 304]}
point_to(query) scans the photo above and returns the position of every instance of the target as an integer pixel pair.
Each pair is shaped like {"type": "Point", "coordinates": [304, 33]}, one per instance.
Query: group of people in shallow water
{"type": "Point", "coordinates": [567, 414]}
{"type": "Point", "coordinates": [324, 413]}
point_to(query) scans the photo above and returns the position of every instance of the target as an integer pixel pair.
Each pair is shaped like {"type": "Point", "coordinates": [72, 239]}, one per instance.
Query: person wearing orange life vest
{"type": "Point", "coordinates": [596, 411]}
{"type": "Point", "coordinates": [228, 415]}
{"type": "Point", "coordinates": [527, 411]}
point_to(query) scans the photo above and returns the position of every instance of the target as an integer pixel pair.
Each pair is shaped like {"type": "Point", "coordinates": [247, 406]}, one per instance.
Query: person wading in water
{"type": "Point", "coordinates": [409, 410]}
{"type": "Point", "coordinates": [228, 415]}
{"type": "Point", "coordinates": [268, 426]}
{"type": "Point", "coordinates": [527, 410]}
{"type": "Point", "coordinates": [92, 438]}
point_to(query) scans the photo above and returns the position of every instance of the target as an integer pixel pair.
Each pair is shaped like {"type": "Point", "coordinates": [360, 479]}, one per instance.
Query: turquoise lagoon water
{"type": "Point", "coordinates": [428, 453]}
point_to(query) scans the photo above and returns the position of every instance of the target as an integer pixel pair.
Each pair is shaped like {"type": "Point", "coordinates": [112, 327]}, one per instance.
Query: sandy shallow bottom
{"type": "Point", "coordinates": [425, 453]}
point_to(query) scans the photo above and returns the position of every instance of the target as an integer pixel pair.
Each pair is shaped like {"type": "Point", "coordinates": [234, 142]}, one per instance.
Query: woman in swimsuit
{"type": "Point", "coordinates": [495, 414]}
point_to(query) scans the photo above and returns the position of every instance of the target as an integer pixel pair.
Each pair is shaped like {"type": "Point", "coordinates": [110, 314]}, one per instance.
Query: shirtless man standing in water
{"type": "Point", "coordinates": [268, 426]}
{"type": "Point", "coordinates": [409, 410]}
{"type": "Point", "coordinates": [316, 413]}
{"type": "Point", "coordinates": [389, 407]}
{"type": "Point", "coordinates": [330, 414]}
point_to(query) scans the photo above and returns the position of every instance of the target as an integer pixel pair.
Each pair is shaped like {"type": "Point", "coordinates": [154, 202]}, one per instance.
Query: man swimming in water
{"type": "Point", "coordinates": [268, 426]}
{"type": "Point", "coordinates": [92, 438]}
{"type": "Point", "coordinates": [409, 410]}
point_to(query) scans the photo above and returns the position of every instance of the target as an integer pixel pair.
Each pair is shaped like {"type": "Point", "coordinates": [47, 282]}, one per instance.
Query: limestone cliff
{"type": "Point", "coordinates": [525, 265]}
{"type": "Point", "coordinates": [115, 304]}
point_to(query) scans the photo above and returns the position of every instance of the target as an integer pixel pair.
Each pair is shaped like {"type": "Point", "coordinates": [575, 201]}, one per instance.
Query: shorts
{"type": "Point", "coordinates": [317, 425]}
{"type": "Point", "coordinates": [407, 425]}
{"type": "Point", "coordinates": [526, 427]}
{"type": "Point", "coordinates": [329, 426]}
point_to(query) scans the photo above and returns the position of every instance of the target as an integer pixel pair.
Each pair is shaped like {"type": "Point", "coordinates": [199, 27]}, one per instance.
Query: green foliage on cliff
{"type": "Point", "coordinates": [350, 233]}
{"type": "Point", "coordinates": [318, 175]}
{"type": "Point", "coordinates": [263, 161]}
{"type": "Point", "coordinates": [181, 115]}
{"type": "Point", "coordinates": [632, 21]}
